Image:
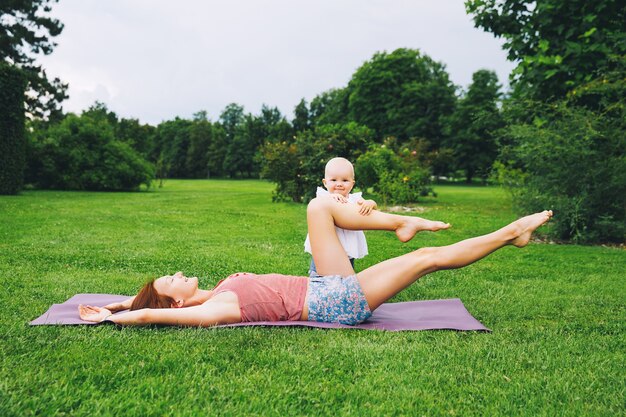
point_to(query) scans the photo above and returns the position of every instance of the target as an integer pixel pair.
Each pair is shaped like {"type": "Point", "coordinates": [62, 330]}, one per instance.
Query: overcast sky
{"type": "Point", "coordinates": [156, 59]}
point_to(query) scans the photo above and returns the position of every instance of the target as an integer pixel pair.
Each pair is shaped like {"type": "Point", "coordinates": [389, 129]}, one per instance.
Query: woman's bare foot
{"type": "Point", "coordinates": [412, 225]}
{"type": "Point", "coordinates": [527, 225]}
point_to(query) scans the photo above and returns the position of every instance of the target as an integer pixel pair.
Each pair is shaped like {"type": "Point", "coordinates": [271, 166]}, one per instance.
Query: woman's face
{"type": "Point", "coordinates": [177, 286]}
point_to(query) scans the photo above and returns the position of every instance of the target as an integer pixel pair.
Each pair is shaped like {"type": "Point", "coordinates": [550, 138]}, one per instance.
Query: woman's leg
{"type": "Point", "coordinates": [323, 214]}
{"type": "Point", "coordinates": [384, 280]}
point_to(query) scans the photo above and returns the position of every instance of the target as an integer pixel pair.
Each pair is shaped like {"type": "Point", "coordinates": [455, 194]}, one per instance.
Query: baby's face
{"type": "Point", "coordinates": [339, 179]}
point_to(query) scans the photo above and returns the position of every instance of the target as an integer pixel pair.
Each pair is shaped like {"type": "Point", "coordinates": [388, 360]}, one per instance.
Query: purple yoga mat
{"type": "Point", "coordinates": [413, 315]}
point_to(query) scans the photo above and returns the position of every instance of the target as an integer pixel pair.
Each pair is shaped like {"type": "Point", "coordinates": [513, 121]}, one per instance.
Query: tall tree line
{"type": "Point", "coordinates": [415, 102]}
{"type": "Point", "coordinates": [403, 94]}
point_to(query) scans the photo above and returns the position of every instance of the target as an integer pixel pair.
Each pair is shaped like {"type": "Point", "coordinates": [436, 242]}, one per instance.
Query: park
{"type": "Point", "coordinates": [99, 201]}
{"type": "Point", "coordinates": [556, 314]}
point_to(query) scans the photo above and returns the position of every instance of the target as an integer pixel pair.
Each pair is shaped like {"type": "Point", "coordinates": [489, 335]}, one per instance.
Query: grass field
{"type": "Point", "coordinates": [557, 313]}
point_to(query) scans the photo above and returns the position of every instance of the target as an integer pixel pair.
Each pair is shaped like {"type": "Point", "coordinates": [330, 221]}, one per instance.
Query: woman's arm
{"type": "Point", "coordinates": [208, 314]}
{"type": "Point", "coordinates": [205, 315]}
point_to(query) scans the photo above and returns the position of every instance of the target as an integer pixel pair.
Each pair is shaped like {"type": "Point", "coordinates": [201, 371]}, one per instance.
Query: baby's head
{"type": "Point", "coordinates": [339, 176]}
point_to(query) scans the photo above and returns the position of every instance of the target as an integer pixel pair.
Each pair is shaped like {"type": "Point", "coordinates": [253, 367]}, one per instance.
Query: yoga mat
{"type": "Point", "coordinates": [448, 314]}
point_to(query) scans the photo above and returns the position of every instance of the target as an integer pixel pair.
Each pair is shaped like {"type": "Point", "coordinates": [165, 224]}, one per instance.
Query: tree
{"type": "Point", "coordinates": [558, 45]}
{"type": "Point", "coordinates": [571, 160]}
{"type": "Point", "coordinates": [242, 156]}
{"type": "Point", "coordinates": [329, 107]}
{"type": "Point", "coordinates": [12, 139]}
{"type": "Point", "coordinates": [563, 146]}
{"type": "Point", "coordinates": [404, 94]}
{"type": "Point", "coordinates": [99, 110]}
{"type": "Point", "coordinates": [25, 32]}
{"type": "Point", "coordinates": [82, 153]}
{"type": "Point", "coordinates": [474, 124]}
{"type": "Point", "coordinates": [231, 118]}
{"type": "Point", "coordinates": [172, 140]}
{"type": "Point", "coordinates": [130, 131]}
{"type": "Point", "coordinates": [139, 136]}
{"type": "Point", "coordinates": [242, 148]}
{"type": "Point", "coordinates": [200, 137]}
{"type": "Point", "coordinates": [275, 126]}
{"type": "Point", "coordinates": [217, 151]}
{"type": "Point", "coordinates": [301, 120]}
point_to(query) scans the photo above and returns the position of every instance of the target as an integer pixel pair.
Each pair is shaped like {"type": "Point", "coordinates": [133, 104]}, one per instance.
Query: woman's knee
{"type": "Point", "coordinates": [319, 204]}
{"type": "Point", "coordinates": [428, 258]}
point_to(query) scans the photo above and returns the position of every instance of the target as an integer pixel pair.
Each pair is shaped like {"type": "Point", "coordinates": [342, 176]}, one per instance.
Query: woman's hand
{"type": "Point", "coordinates": [92, 313]}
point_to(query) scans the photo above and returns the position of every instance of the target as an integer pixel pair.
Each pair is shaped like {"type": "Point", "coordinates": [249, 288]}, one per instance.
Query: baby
{"type": "Point", "coordinates": [339, 180]}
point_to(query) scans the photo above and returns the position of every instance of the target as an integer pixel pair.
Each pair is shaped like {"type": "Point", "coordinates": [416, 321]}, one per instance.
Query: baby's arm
{"type": "Point", "coordinates": [336, 197]}
{"type": "Point", "coordinates": [339, 198]}
{"type": "Point", "coordinates": [366, 206]}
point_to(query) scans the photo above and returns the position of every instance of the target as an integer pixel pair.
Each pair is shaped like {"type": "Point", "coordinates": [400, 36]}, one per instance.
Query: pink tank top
{"type": "Point", "coordinates": [270, 297]}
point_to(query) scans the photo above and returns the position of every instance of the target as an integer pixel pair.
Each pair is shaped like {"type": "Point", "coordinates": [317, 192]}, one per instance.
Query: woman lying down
{"type": "Point", "coordinates": [337, 295]}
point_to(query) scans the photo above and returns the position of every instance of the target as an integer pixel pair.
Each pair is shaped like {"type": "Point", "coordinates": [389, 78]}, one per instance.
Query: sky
{"type": "Point", "coordinates": [155, 60]}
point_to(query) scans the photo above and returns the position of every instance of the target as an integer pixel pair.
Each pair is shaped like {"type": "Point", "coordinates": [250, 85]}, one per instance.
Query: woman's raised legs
{"type": "Point", "coordinates": [384, 280]}
{"type": "Point", "coordinates": [323, 214]}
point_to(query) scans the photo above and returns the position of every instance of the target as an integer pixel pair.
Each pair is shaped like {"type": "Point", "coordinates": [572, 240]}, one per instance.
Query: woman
{"type": "Point", "coordinates": [337, 296]}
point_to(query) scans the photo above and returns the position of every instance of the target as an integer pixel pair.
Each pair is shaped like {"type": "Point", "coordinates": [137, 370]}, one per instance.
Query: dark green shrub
{"type": "Point", "coordinates": [298, 167]}
{"type": "Point", "coordinates": [370, 166]}
{"type": "Point", "coordinates": [399, 188]}
{"type": "Point", "coordinates": [571, 160]}
{"type": "Point", "coordinates": [12, 141]}
{"type": "Point", "coordinates": [282, 165]}
{"type": "Point", "coordinates": [82, 153]}
{"type": "Point", "coordinates": [397, 177]}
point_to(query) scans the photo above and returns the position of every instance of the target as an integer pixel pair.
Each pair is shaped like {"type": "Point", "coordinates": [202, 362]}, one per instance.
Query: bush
{"type": "Point", "coordinates": [570, 159]}
{"type": "Point", "coordinates": [398, 188]}
{"type": "Point", "coordinates": [12, 141]}
{"type": "Point", "coordinates": [397, 177]}
{"type": "Point", "coordinates": [371, 166]}
{"type": "Point", "coordinates": [297, 168]}
{"type": "Point", "coordinates": [82, 153]}
{"type": "Point", "coordinates": [281, 164]}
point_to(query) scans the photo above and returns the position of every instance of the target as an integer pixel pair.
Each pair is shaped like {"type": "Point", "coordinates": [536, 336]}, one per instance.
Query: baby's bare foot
{"type": "Point", "coordinates": [412, 225]}
{"type": "Point", "coordinates": [527, 225]}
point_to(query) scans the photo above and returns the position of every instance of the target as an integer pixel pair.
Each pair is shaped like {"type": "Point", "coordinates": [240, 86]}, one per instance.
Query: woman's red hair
{"type": "Point", "coordinates": [148, 297]}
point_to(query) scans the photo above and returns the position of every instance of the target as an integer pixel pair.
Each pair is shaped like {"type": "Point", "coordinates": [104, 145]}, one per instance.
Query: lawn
{"type": "Point", "coordinates": [557, 313]}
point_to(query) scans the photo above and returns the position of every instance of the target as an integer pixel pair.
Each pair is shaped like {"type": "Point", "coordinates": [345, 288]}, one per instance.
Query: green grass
{"type": "Point", "coordinates": [557, 313]}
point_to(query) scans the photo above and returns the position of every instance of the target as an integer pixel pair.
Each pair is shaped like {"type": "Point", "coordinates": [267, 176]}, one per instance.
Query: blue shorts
{"type": "Point", "coordinates": [337, 299]}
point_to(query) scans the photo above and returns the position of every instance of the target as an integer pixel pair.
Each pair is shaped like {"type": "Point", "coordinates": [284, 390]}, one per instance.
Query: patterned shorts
{"type": "Point", "coordinates": [337, 299]}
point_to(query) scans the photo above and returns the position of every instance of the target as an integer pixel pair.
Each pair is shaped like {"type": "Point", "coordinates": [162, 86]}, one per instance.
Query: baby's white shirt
{"type": "Point", "coordinates": [353, 241]}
